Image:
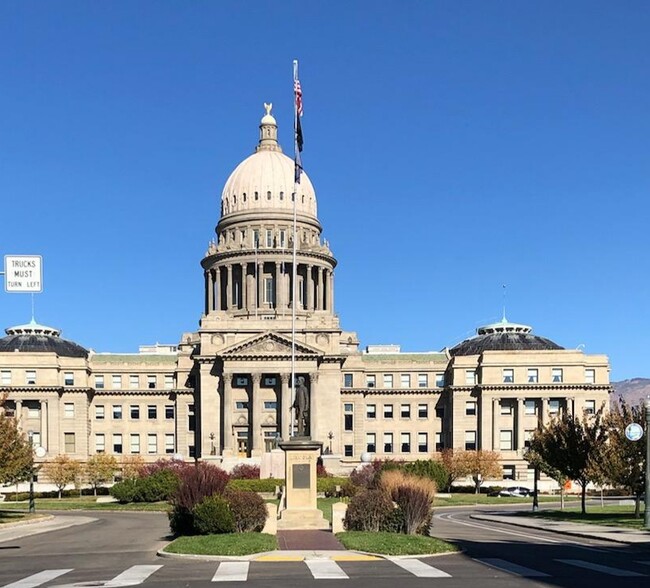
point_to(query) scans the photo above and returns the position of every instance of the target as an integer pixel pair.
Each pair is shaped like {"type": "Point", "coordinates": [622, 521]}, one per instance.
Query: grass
{"type": "Point", "coordinates": [473, 499]}
{"type": "Point", "coordinates": [84, 503]}
{"type": "Point", "coordinates": [226, 544]}
{"type": "Point", "coordinates": [613, 515]}
{"type": "Point", "coordinates": [14, 517]}
{"type": "Point", "coordinates": [394, 543]}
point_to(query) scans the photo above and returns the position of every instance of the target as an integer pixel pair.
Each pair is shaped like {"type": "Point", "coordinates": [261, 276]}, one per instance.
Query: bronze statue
{"type": "Point", "coordinates": [301, 405]}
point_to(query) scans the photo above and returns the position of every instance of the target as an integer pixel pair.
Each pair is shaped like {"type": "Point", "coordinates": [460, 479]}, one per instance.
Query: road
{"type": "Point", "coordinates": [119, 549]}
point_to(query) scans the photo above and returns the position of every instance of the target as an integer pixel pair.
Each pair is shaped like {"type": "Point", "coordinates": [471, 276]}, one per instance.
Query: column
{"type": "Point", "coordinates": [244, 286]}
{"type": "Point", "coordinates": [256, 424]}
{"type": "Point", "coordinates": [260, 285]}
{"type": "Point", "coordinates": [229, 287]}
{"type": "Point", "coordinates": [208, 292]}
{"type": "Point", "coordinates": [496, 410]}
{"type": "Point", "coordinates": [250, 291]}
{"type": "Point", "coordinates": [278, 285]}
{"type": "Point", "coordinates": [19, 412]}
{"type": "Point", "coordinates": [44, 428]}
{"type": "Point", "coordinates": [227, 412]}
{"type": "Point", "coordinates": [320, 288]}
{"type": "Point", "coordinates": [313, 407]}
{"type": "Point", "coordinates": [309, 285]}
{"type": "Point", "coordinates": [331, 291]}
{"type": "Point", "coordinates": [519, 443]}
{"type": "Point", "coordinates": [544, 415]}
{"type": "Point", "coordinates": [285, 411]}
{"type": "Point", "coordinates": [217, 289]}
{"type": "Point", "coordinates": [571, 405]}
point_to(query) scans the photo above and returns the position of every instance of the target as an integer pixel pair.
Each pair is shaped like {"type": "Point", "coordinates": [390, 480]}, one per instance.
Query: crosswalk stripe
{"type": "Point", "coordinates": [131, 577]}
{"type": "Point", "coordinates": [325, 569]}
{"type": "Point", "coordinates": [419, 568]}
{"type": "Point", "coordinates": [38, 579]}
{"type": "Point", "coordinates": [599, 568]}
{"type": "Point", "coordinates": [512, 568]}
{"type": "Point", "coordinates": [231, 571]}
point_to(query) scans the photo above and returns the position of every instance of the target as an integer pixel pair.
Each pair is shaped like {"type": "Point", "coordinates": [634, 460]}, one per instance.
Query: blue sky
{"type": "Point", "coordinates": [454, 147]}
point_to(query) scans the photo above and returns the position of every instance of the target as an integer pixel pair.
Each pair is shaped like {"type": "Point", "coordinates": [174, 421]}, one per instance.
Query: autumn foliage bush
{"type": "Point", "coordinates": [248, 510]}
{"type": "Point", "coordinates": [212, 515]}
{"type": "Point", "coordinates": [369, 510]}
{"type": "Point", "coordinates": [245, 471]}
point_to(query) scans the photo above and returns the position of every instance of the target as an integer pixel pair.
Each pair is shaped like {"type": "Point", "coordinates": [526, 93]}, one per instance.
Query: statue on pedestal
{"type": "Point", "coordinates": [301, 406]}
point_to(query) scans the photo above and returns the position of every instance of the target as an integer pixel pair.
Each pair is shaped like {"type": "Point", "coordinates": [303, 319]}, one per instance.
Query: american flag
{"type": "Point", "coordinates": [297, 90]}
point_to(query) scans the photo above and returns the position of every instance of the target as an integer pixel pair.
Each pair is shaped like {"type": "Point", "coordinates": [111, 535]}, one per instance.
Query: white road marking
{"type": "Point", "coordinates": [131, 577]}
{"type": "Point", "coordinates": [512, 568]}
{"type": "Point", "coordinates": [231, 571]}
{"type": "Point", "coordinates": [38, 579]}
{"type": "Point", "coordinates": [419, 568]}
{"type": "Point", "coordinates": [587, 565]}
{"type": "Point", "coordinates": [325, 569]}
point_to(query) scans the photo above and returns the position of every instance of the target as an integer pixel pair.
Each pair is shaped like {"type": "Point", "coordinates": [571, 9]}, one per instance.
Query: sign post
{"type": "Point", "coordinates": [23, 273]}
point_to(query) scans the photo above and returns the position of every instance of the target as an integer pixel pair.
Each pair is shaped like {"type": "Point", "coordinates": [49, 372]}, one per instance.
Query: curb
{"type": "Point", "coordinates": [38, 519]}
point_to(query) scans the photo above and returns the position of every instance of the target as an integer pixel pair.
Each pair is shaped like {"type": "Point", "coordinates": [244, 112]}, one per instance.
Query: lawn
{"type": "Point", "coordinates": [83, 503]}
{"type": "Point", "coordinates": [473, 499]}
{"type": "Point", "coordinates": [612, 515]}
{"type": "Point", "coordinates": [14, 517]}
{"type": "Point", "coordinates": [394, 543]}
{"type": "Point", "coordinates": [226, 544]}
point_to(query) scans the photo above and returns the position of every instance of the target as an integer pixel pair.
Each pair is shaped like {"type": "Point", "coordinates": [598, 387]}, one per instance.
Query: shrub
{"type": "Point", "coordinates": [363, 476]}
{"type": "Point", "coordinates": [429, 468]}
{"type": "Point", "coordinates": [350, 489]}
{"type": "Point", "coordinates": [245, 471]}
{"type": "Point", "coordinates": [321, 471]}
{"type": "Point", "coordinates": [125, 491]}
{"type": "Point", "coordinates": [248, 510]}
{"type": "Point", "coordinates": [328, 485]}
{"type": "Point", "coordinates": [174, 465]}
{"type": "Point", "coordinates": [414, 497]}
{"type": "Point", "coordinates": [197, 483]}
{"type": "Point", "coordinates": [262, 485]}
{"type": "Point", "coordinates": [212, 515]}
{"type": "Point", "coordinates": [159, 486]}
{"type": "Point", "coordinates": [370, 510]}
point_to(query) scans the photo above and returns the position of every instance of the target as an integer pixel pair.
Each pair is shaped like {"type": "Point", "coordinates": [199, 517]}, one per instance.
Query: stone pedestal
{"type": "Point", "coordinates": [300, 511]}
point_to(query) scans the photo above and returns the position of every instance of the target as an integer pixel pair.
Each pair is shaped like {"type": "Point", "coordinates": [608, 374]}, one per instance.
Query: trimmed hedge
{"type": "Point", "coordinates": [212, 515]}
{"type": "Point", "coordinates": [260, 485]}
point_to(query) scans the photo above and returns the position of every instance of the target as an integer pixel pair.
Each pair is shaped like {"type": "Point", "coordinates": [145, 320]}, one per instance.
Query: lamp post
{"type": "Point", "coordinates": [213, 451]}
{"type": "Point", "coordinates": [535, 490]}
{"type": "Point", "coordinates": [32, 504]}
{"type": "Point", "coordinates": [647, 463]}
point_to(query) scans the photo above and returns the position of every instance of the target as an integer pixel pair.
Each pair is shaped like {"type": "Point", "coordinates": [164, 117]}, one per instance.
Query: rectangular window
{"type": "Point", "coordinates": [152, 411]}
{"type": "Point", "coordinates": [30, 377]}
{"type": "Point", "coordinates": [528, 435]}
{"type": "Point", "coordinates": [348, 414]}
{"type": "Point", "coordinates": [191, 450]}
{"type": "Point", "coordinates": [508, 472]}
{"type": "Point", "coordinates": [36, 439]}
{"type": "Point", "coordinates": [405, 411]}
{"type": "Point", "coordinates": [268, 290]}
{"type": "Point", "coordinates": [371, 411]}
{"type": "Point", "coordinates": [556, 375]}
{"type": "Point", "coordinates": [134, 411]}
{"type": "Point", "coordinates": [590, 376]}
{"type": "Point", "coordinates": [553, 406]}
{"type": "Point", "coordinates": [33, 410]}
{"type": "Point", "coordinates": [99, 381]}
{"type": "Point", "coordinates": [68, 410]}
{"type": "Point", "coordinates": [470, 408]}
{"type": "Point", "coordinates": [117, 381]}
{"type": "Point", "coordinates": [283, 239]}
{"type": "Point", "coordinates": [117, 412]}
{"type": "Point", "coordinates": [241, 405]}
{"type": "Point", "coordinates": [100, 413]}
{"type": "Point", "coordinates": [405, 380]}
{"type": "Point", "coordinates": [405, 442]}
{"type": "Point", "coordinates": [69, 441]}
{"type": "Point", "coordinates": [423, 411]}
{"type": "Point", "coordinates": [256, 238]}
{"type": "Point", "coordinates": [530, 407]}
{"type": "Point", "coordinates": [439, 444]}
{"type": "Point", "coordinates": [440, 380]}
{"type": "Point", "coordinates": [388, 380]}
{"type": "Point", "coordinates": [169, 443]}
{"type": "Point", "coordinates": [590, 407]}
{"type": "Point", "coordinates": [269, 238]}
{"type": "Point", "coordinates": [388, 443]}
{"type": "Point", "coordinates": [371, 442]}
{"type": "Point", "coordinates": [506, 407]}
{"type": "Point", "coordinates": [533, 376]}
{"type": "Point", "coordinates": [169, 381]}
{"type": "Point", "coordinates": [347, 380]}
{"type": "Point", "coordinates": [470, 377]}
{"type": "Point", "coordinates": [135, 443]}
{"type": "Point", "coordinates": [134, 381]}
{"type": "Point", "coordinates": [470, 440]}
{"type": "Point", "coordinates": [100, 443]}
{"type": "Point", "coordinates": [423, 442]}
{"type": "Point", "coordinates": [151, 381]}
{"type": "Point", "coordinates": [423, 380]}
{"type": "Point", "coordinates": [508, 376]}
{"type": "Point", "coordinates": [68, 379]}
{"type": "Point", "coordinates": [152, 443]}
{"type": "Point", "coordinates": [388, 411]}
{"type": "Point", "coordinates": [117, 443]}
{"type": "Point", "coordinates": [169, 411]}
{"type": "Point", "coordinates": [270, 405]}
{"type": "Point", "coordinates": [505, 440]}
{"type": "Point", "coordinates": [348, 450]}
{"type": "Point", "coordinates": [5, 377]}
{"type": "Point", "coordinates": [371, 380]}
{"type": "Point", "coordinates": [191, 418]}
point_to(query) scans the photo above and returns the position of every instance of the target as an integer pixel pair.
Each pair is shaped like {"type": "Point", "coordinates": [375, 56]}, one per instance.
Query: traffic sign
{"type": "Point", "coordinates": [634, 431]}
{"type": "Point", "coordinates": [23, 273]}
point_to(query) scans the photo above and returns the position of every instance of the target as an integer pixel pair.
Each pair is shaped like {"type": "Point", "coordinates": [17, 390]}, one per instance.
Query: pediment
{"type": "Point", "coordinates": [271, 345]}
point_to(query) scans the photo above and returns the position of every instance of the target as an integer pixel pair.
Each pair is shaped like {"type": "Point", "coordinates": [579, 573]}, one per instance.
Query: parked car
{"type": "Point", "coordinates": [519, 491]}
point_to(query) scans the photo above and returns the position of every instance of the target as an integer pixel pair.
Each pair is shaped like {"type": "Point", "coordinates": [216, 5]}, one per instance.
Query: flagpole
{"type": "Point", "coordinates": [294, 273]}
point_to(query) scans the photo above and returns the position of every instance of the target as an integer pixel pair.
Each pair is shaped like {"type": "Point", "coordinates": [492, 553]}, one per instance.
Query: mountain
{"type": "Point", "coordinates": [633, 391]}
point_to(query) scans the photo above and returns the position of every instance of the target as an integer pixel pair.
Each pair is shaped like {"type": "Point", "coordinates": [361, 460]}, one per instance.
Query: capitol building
{"type": "Point", "coordinates": [224, 392]}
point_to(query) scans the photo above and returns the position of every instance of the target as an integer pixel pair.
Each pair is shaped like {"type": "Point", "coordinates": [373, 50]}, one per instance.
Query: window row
{"type": "Point", "coordinates": [531, 406]}
{"type": "Point", "coordinates": [152, 440]}
{"type": "Point", "coordinates": [134, 411]}
{"type": "Point", "coordinates": [389, 380]}
{"type": "Point", "coordinates": [388, 443]}
{"type": "Point", "coordinates": [388, 413]}
{"type": "Point", "coordinates": [532, 376]}
{"type": "Point", "coordinates": [134, 381]}
{"type": "Point", "coordinates": [244, 405]}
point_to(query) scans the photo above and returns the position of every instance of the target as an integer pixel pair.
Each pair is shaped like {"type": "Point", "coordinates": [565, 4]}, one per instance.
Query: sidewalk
{"type": "Point", "coordinates": [617, 534]}
{"type": "Point", "coordinates": [13, 531]}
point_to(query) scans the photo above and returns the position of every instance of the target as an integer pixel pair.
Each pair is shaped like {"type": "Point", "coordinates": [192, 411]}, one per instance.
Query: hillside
{"type": "Point", "coordinates": [634, 391]}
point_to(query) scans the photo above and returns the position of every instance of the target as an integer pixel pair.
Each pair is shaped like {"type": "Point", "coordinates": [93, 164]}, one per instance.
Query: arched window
{"type": "Point", "coordinates": [257, 196]}
{"type": "Point", "coordinates": [268, 195]}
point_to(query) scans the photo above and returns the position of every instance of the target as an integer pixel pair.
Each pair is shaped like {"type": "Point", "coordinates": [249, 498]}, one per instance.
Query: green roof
{"type": "Point", "coordinates": [133, 358]}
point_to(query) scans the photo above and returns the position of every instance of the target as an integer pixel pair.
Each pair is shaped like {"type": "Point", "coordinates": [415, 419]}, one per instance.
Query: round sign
{"type": "Point", "coordinates": [634, 431]}
{"type": "Point", "coordinates": [40, 451]}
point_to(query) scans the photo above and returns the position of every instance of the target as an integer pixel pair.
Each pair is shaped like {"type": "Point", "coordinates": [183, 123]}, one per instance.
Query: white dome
{"type": "Point", "coordinates": [266, 180]}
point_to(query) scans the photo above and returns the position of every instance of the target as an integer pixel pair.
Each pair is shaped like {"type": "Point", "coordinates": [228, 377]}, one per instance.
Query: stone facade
{"type": "Point", "coordinates": [224, 392]}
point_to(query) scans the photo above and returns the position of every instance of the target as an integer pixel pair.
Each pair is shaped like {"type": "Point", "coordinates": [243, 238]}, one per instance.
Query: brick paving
{"type": "Point", "coordinates": [308, 541]}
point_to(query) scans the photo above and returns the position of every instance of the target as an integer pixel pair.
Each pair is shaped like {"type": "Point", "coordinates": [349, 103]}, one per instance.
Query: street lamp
{"type": "Point", "coordinates": [330, 436]}
{"type": "Point", "coordinates": [647, 463]}
{"type": "Point", "coordinates": [213, 451]}
{"type": "Point", "coordinates": [32, 504]}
